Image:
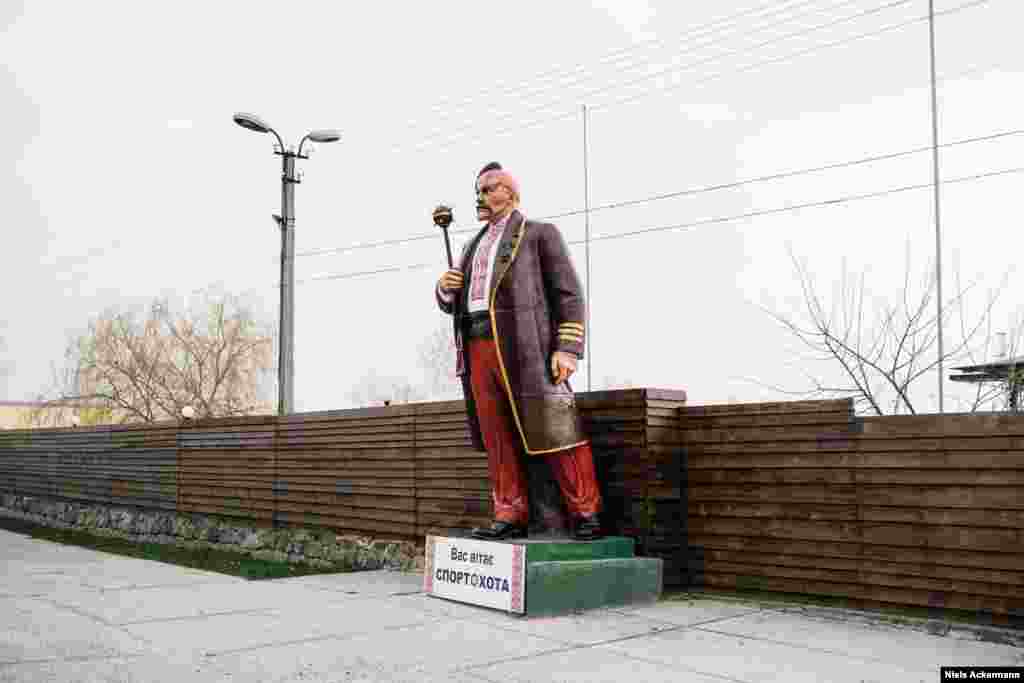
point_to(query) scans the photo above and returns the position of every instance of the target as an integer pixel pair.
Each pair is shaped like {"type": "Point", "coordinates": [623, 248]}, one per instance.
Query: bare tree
{"type": "Point", "coordinates": [877, 351]}
{"type": "Point", "coordinates": [376, 390]}
{"type": "Point", "coordinates": [213, 357]}
{"type": "Point", "coordinates": [437, 359]}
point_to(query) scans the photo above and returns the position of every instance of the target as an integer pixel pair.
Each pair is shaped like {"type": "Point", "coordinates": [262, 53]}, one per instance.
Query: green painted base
{"type": "Point", "coordinates": [545, 550]}
{"type": "Point", "coordinates": [554, 588]}
{"type": "Point", "coordinates": [565, 576]}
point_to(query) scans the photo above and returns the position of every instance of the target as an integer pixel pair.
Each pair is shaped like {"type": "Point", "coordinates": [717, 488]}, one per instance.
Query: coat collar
{"type": "Point", "coordinates": [508, 247]}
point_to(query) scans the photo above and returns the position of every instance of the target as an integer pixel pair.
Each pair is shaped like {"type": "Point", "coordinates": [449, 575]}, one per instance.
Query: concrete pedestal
{"type": "Point", "coordinates": [564, 576]}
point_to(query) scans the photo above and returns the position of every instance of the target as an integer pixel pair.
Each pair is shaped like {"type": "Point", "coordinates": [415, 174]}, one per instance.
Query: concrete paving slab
{"type": "Point", "coordinates": [329, 659]}
{"type": "Point", "coordinates": [746, 659]}
{"type": "Point", "coordinates": [91, 622]}
{"type": "Point", "coordinates": [40, 584]}
{"type": "Point", "coordinates": [53, 555]}
{"type": "Point", "coordinates": [380, 582]}
{"type": "Point", "coordinates": [411, 653]}
{"type": "Point", "coordinates": [591, 626]}
{"type": "Point", "coordinates": [138, 605]}
{"type": "Point", "coordinates": [143, 669]}
{"type": "Point", "coordinates": [898, 646]}
{"type": "Point", "coordinates": [33, 553]}
{"type": "Point", "coordinates": [451, 609]}
{"type": "Point", "coordinates": [120, 573]}
{"type": "Point", "coordinates": [980, 630]}
{"type": "Point", "coordinates": [350, 618]}
{"type": "Point", "coordinates": [453, 676]}
{"type": "Point", "coordinates": [690, 612]}
{"type": "Point", "coordinates": [323, 661]}
{"type": "Point", "coordinates": [588, 628]}
{"type": "Point", "coordinates": [592, 665]}
{"type": "Point", "coordinates": [32, 629]}
{"type": "Point", "coordinates": [225, 632]}
{"type": "Point", "coordinates": [370, 677]}
{"type": "Point", "coordinates": [222, 633]}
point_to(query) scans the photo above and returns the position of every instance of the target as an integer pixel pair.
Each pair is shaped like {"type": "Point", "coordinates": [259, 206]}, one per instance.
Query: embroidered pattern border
{"type": "Point", "coordinates": [517, 578]}
{"type": "Point", "coordinates": [428, 566]}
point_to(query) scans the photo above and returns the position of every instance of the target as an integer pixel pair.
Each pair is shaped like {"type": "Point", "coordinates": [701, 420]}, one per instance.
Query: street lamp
{"type": "Point", "coordinates": [286, 222]}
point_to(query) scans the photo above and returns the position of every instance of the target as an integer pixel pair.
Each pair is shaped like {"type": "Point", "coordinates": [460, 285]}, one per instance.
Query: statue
{"type": "Point", "coordinates": [519, 317]}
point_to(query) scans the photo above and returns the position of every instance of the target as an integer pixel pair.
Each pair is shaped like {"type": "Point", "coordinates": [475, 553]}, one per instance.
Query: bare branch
{"type": "Point", "coordinates": [881, 351]}
{"type": "Point", "coordinates": [146, 371]}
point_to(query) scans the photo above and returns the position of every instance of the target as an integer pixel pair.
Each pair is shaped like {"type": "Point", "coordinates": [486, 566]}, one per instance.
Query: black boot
{"type": "Point", "coordinates": [587, 528]}
{"type": "Point", "coordinates": [499, 531]}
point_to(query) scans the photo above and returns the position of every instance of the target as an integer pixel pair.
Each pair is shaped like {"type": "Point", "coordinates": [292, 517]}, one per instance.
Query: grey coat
{"type": "Point", "coordinates": [537, 307]}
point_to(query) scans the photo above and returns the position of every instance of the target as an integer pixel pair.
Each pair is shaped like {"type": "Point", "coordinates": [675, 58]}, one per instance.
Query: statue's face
{"type": "Point", "coordinates": [495, 196]}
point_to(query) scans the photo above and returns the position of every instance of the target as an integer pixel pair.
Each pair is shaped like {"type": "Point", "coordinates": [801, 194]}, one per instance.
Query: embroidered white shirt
{"type": "Point", "coordinates": [483, 270]}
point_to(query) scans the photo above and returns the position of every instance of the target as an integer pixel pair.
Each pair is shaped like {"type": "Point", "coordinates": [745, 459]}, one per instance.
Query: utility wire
{"type": "Point", "coordinates": [503, 88]}
{"type": "Point", "coordinates": [505, 95]}
{"type": "Point", "coordinates": [569, 113]}
{"type": "Point", "coordinates": [632, 202]}
{"type": "Point", "coordinates": [575, 100]}
{"type": "Point", "coordinates": [707, 221]}
{"type": "Point", "coordinates": [797, 207]}
{"type": "Point", "coordinates": [680, 193]}
{"type": "Point", "coordinates": [116, 246]}
{"type": "Point", "coordinates": [800, 53]}
{"type": "Point", "coordinates": [786, 174]}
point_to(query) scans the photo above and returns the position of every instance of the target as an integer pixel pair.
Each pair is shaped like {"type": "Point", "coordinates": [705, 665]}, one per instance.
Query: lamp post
{"type": "Point", "coordinates": [286, 223]}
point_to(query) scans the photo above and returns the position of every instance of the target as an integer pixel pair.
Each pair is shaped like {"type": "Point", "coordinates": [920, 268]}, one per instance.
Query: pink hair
{"type": "Point", "coordinates": [499, 176]}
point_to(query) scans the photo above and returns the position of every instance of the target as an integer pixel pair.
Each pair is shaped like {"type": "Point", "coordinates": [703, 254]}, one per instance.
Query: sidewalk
{"type": "Point", "coordinates": [72, 614]}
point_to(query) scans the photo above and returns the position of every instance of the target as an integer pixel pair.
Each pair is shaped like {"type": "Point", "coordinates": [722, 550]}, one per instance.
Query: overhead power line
{"type": "Point", "coordinates": [503, 96]}
{"type": "Point", "coordinates": [505, 87]}
{"type": "Point", "coordinates": [800, 53]}
{"type": "Point", "coordinates": [575, 100]}
{"type": "Point", "coordinates": [118, 246]}
{"type": "Point", "coordinates": [573, 110]}
{"type": "Point", "coordinates": [709, 221]}
{"type": "Point", "coordinates": [680, 193]}
{"type": "Point", "coordinates": [786, 174]}
{"type": "Point", "coordinates": [807, 205]}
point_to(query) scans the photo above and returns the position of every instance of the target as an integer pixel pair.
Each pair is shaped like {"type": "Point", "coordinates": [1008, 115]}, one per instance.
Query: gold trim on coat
{"type": "Point", "coordinates": [497, 347]}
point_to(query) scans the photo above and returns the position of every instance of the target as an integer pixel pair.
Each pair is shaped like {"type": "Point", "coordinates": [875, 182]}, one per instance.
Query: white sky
{"type": "Point", "coordinates": [130, 180]}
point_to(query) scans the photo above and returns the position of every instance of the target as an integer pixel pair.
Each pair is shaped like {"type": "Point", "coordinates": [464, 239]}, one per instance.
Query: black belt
{"type": "Point", "coordinates": [477, 325]}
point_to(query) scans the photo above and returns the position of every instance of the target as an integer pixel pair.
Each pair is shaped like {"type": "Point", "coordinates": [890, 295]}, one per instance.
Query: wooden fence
{"type": "Point", "coordinates": [804, 497]}
{"type": "Point", "coordinates": [135, 466]}
{"type": "Point", "coordinates": [796, 497]}
{"type": "Point", "coordinates": [399, 471]}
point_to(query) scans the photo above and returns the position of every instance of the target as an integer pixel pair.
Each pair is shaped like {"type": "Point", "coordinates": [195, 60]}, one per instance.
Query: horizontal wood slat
{"type": "Point", "coordinates": [800, 496]}
{"type": "Point", "coordinates": [806, 497]}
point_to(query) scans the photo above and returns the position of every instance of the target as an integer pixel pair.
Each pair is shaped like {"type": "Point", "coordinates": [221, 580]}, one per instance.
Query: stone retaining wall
{"type": "Point", "coordinates": [321, 548]}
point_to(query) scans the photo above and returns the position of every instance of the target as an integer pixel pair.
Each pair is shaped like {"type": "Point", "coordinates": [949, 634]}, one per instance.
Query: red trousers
{"type": "Point", "coordinates": [573, 468]}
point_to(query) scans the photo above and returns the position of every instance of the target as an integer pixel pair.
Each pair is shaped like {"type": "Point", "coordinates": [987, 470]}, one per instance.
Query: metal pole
{"type": "Point", "coordinates": [938, 218]}
{"type": "Point", "coordinates": [286, 353]}
{"type": "Point", "coordinates": [586, 215]}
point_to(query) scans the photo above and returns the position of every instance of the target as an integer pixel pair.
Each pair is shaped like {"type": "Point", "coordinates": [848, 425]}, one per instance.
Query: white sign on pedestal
{"type": "Point", "coordinates": [478, 572]}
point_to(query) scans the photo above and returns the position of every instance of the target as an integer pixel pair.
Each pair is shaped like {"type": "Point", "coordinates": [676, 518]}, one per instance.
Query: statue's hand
{"type": "Point", "coordinates": [562, 365]}
{"type": "Point", "coordinates": [451, 281]}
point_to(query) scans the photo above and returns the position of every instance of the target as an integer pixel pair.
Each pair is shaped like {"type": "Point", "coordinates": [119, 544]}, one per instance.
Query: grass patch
{"type": "Point", "coordinates": [893, 614]}
{"type": "Point", "coordinates": [209, 559]}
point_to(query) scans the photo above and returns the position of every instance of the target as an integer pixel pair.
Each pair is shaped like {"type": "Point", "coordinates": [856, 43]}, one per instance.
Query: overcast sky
{"type": "Point", "coordinates": [127, 178]}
